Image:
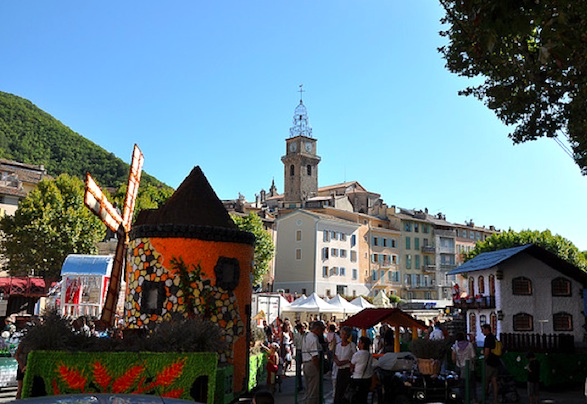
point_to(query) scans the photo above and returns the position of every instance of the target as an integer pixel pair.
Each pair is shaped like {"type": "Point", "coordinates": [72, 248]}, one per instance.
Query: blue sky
{"type": "Point", "coordinates": [215, 84]}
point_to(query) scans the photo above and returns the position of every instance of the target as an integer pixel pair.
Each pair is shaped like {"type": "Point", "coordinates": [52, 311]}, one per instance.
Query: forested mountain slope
{"type": "Point", "coordinates": [30, 135]}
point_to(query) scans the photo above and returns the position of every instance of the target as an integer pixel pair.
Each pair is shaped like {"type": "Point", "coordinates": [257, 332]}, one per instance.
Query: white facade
{"type": "Point", "coordinates": [317, 253]}
{"type": "Point", "coordinates": [546, 301]}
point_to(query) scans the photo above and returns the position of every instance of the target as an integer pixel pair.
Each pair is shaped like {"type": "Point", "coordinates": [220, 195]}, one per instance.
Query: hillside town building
{"type": "Point", "coordinates": [345, 239]}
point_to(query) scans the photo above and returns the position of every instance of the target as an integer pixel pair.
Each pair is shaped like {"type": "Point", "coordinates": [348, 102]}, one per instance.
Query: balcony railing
{"type": "Point", "coordinates": [430, 249]}
{"type": "Point", "coordinates": [483, 302]}
{"type": "Point", "coordinates": [551, 343]}
{"type": "Point", "coordinates": [447, 267]}
{"type": "Point", "coordinates": [429, 268]}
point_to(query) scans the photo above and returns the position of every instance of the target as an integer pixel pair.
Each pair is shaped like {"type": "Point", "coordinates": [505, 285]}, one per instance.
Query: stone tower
{"type": "Point", "coordinates": [300, 163]}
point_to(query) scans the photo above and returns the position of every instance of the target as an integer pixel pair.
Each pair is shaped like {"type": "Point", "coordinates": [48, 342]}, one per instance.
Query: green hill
{"type": "Point", "coordinates": [30, 135]}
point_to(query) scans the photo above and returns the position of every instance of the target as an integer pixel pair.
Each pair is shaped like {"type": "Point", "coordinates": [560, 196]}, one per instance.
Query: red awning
{"type": "Point", "coordinates": [22, 285]}
{"type": "Point", "coordinates": [368, 318]}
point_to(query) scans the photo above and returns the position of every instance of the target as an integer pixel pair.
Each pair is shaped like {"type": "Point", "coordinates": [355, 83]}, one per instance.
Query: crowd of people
{"type": "Point", "coordinates": [318, 349]}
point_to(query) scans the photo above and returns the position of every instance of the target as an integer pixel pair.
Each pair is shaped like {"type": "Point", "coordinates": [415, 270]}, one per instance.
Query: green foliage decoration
{"type": "Point", "coordinates": [49, 224]}
{"type": "Point", "coordinates": [556, 244]}
{"type": "Point", "coordinates": [264, 246]}
{"type": "Point", "coordinates": [161, 374]}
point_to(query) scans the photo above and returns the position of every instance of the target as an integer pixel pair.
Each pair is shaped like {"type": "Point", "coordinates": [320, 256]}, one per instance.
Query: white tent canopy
{"type": "Point", "coordinates": [361, 302]}
{"type": "Point", "coordinates": [298, 301]}
{"type": "Point", "coordinates": [381, 300]}
{"type": "Point", "coordinates": [313, 304]}
{"type": "Point", "coordinates": [344, 305]}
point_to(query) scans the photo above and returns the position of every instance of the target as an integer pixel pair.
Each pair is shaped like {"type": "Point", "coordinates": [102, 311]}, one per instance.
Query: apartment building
{"type": "Point", "coordinates": [316, 252]}
{"type": "Point", "coordinates": [16, 181]}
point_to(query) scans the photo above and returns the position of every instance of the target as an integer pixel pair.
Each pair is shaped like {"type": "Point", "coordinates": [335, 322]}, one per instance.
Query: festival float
{"type": "Point", "coordinates": [185, 260]}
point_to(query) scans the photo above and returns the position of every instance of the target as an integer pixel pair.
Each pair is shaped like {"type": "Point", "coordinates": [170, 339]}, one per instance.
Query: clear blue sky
{"type": "Point", "coordinates": [213, 83]}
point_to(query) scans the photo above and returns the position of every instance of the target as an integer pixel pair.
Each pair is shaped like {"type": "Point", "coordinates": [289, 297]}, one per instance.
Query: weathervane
{"type": "Point", "coordinates": [301, 90]}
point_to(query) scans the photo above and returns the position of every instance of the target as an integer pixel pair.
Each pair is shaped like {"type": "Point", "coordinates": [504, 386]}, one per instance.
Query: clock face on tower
{"type": "Point", "coordinates": [293, 146]}
{"type": "Point", "coordinates": [308, 146]}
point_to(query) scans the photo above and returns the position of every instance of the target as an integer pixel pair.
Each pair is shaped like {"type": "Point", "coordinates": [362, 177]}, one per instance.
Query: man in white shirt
{"type": "Point", "coordinates": [311, 358]}
{"type": "Point", "coordinates": [437, 333]}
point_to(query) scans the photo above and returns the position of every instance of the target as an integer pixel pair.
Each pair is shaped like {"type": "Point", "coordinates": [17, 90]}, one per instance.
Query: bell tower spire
{"type": "Point", "coordinates": [300, 161]}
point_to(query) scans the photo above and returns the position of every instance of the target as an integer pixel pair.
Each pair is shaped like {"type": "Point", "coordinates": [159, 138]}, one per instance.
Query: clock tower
{"type": "Point", "coordinates": [300, 161]}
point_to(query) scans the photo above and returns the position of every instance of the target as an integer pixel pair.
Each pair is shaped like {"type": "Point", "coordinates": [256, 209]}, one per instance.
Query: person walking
{"type": "Point", "coordinates": [463, 351]}
{"type": "Point", "coordinates": [362, 371]}
{"type": "Point", "coordinates": [272, 366]}
{"type": "Point", "coordinates": [299, 335]}
{"type": "Point", "coordinates": [343, 354]}
{"type": "Point", "coordinates": [491, 362]}
{"type": "Point", "coordinates": [312, 357]}
{"type": "Point", "coordinates": [533, 369]}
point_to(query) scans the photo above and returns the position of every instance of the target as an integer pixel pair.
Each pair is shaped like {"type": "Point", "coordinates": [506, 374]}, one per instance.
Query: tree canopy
{"type": "Point", "coordinates": [556, 244]}
{"type": "Point", "coordinates": [533, 57]}
{"type": "Point", "coordinates": [49, 224]}
{"type": "Point", "coordinates": [264, 247]}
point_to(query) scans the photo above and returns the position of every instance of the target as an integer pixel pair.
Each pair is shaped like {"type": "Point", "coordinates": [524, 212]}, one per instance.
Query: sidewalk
{"type": "Point", "coordinates": [572, 395]}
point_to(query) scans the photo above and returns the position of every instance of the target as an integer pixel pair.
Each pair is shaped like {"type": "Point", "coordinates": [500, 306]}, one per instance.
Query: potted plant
{"type": "Point", "coordinates": [430, 354]}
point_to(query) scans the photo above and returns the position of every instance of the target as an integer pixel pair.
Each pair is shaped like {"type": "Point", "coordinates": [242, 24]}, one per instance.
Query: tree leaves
{"type": "Point", "coordinates": [556, 244]}
{"type": "Point", "coordinates": [264, 247]}
{"type": "Point", "coordinates": [532, 56]}
{"type": "Point", "coordinates": [49, 224]}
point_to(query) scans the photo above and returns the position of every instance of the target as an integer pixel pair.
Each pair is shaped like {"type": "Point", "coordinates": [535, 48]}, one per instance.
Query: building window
{"type": "Point", "coordinates": [342, 271]}
{"type": "Point", "coordinates": [395, 276]}
{"type": "Point", "coordinates": [394, 259]}
{"type": "Point", "coordinates": [408, 261]}
{"type": "Point", "coordinates": [493, 321]}
{"type": "Point", "coordinates": [333, 271]}
{"type": "Point", "coordinates": [374, 275]}
{"type": "Point", "coordinates": [333, 235]}
{"type": "Point", "coordinates": [483, 319]}
{"type": "Point", "coordinates": [481, 285]}
{"type": "Point", "coordinates": [309, 170]}
{"type": "Point", "coordinates": [342, 253]}
{"type": "Point", "coordinates": [471, 286]}
{"type": "Point", "coordinates": [472, 323]}
{"type": "Point", "coordinates": [342, 237]}
{"type": "Point", "coordinates": [355, 273]}
{"type": "Point", "coordinates": [416, 243]}
{"type": "Point", "coordinates": [425, 228]}
{"type": "Point", "coordinates": [298, 253]}
{"type": "Point", "coordinates": [326, 236]}
{"type": "Point", "coordinates": [353, 240]}
{"type": "Point", "coordinates": [325, 253]}
{"type": "Point", "coordinates": [408, 280]}
{"type": "Point", "coordinates": [417, 261]}
{"type": "Point", "coordinates": [523, 322]}
{"type": "Point", "coordinates": [298, 235]}
{"type": "Point", "coordinates": [375, 241]}
{"type": "Point", "coordinates": [334, 252]}
{"type": "Point", "coordinates": [328, 292]}
{"type": "Point", "coordinates": [407, 226]}
{"type": "Point", "coordinates": [562, 322]}
{"type": "Point", "coordinates": [408, 243]}
{"type": "Point", "coordinates": [416, 228]}
{"type": "Point", "coordinates": [521, 286]}
{"type": "Point", "coordinates": [353, 256]}
{"type": "Point", "coordinates": [491, 285]}
{"type": "Point", "coordinates": [561, 287]}
{"type": "Point", "coordinates": [325, 272]}
{"type": "Point", "coordinates": [292, 170]}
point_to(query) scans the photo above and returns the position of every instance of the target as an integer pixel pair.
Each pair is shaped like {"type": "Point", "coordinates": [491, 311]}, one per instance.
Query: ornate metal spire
{"type": "Point", "coordinates": [300, 120]}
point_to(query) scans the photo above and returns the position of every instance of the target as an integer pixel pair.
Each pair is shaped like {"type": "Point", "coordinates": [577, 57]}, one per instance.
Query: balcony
{"type": "Point", "coordinates": [428, 249]}
{"type": "Point", "coordinates": [429, 268]}
{"type": "Point", "coordinates": [483, 302]}
{"type": "Point", "coordinates": [447, 267]}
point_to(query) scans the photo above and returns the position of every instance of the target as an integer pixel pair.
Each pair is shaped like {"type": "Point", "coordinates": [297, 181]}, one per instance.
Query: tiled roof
{"type": "Point", "coordinates": [490, 259]}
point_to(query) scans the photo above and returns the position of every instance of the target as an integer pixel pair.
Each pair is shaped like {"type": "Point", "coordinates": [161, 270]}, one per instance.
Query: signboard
{"type": "Point", "coordinates": [268, 304]}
